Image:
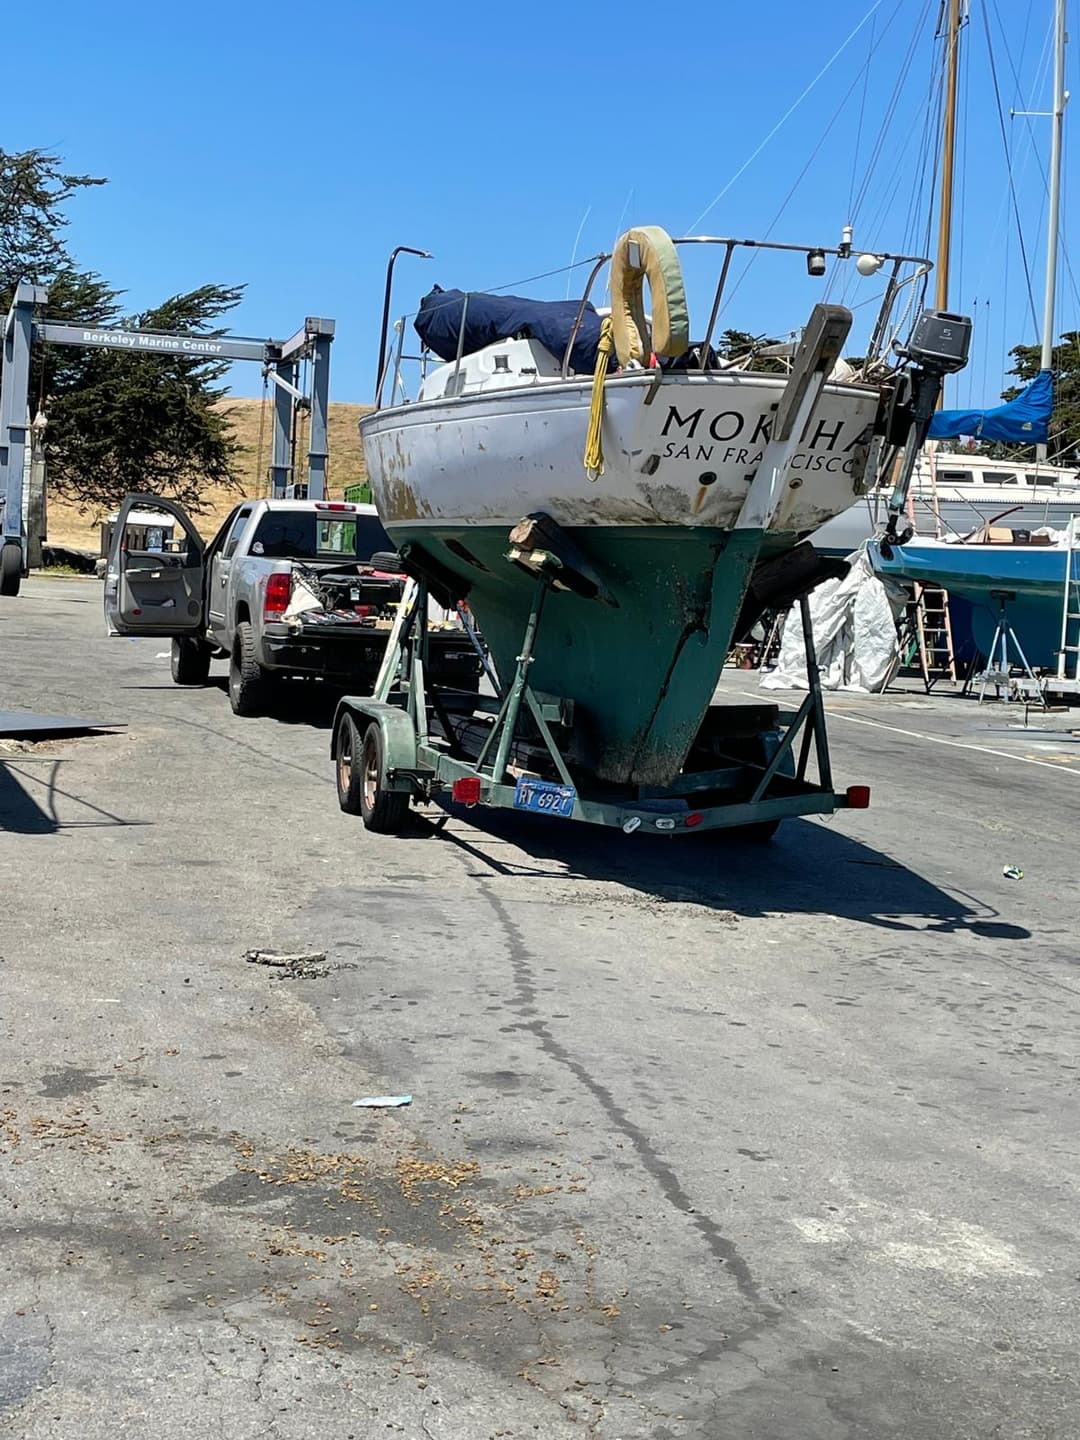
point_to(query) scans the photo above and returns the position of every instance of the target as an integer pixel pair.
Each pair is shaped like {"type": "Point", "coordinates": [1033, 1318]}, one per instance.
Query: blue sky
{"type": "Point", "coordinates": [291, 148]}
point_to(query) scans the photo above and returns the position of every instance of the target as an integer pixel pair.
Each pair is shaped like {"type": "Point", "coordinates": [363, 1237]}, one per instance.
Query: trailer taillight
{"type": "Point", "coordinates": [278, 591]}
{"type": "Point", "coordinates": [858, 797]}
{"type": "Point", "coordinates": [466, 791]}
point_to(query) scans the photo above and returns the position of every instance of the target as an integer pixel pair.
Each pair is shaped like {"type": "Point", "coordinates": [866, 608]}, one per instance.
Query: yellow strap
{"type": "Point", "coordinates": [594, 445]}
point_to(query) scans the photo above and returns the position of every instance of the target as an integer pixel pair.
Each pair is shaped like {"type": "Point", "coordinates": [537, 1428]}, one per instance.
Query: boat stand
{"type": "Point", "coordinates": [998, 666]}
{"type": "Point", "coordinates": [513, 750]}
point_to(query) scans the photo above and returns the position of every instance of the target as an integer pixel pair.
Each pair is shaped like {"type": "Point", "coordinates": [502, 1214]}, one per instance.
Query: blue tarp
{"type": "Point", "coordinates": [490, 318]}
{"type": "Point", "coordinates": [1022, 421]}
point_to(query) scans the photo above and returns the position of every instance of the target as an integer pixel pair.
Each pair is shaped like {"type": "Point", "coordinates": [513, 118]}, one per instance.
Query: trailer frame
{"type": "Point", "coordinates": [405, 748]}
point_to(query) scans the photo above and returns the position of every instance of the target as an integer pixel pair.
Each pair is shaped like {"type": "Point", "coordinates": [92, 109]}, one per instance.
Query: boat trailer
{"type": "Point", "coordinates": [413, 742]}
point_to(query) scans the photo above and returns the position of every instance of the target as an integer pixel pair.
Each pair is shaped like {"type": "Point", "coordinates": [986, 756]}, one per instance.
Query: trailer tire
{"type": "Point", "coordinates": [189, 660]}
{"type": "Point", "coordinates": [350, 780]}
{"type": "Point", "coordinates": [10, 568]}
{"type": "Point", "coordinates": [361, 771]}
{"type": "Point", "coordinates": [247, 679]}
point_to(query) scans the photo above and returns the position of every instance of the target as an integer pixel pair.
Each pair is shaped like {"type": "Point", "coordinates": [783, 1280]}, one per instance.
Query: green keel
{"type": "Point", "coordinates": [641, 676]}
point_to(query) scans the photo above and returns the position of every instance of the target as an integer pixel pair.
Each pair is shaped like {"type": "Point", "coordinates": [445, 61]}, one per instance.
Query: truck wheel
{"type": "Point", "coordinates": [247, 679]}
{"type": "Point", "coordinates": [189, 661]}
{"type": "Point", "coordinates": [10, 569]}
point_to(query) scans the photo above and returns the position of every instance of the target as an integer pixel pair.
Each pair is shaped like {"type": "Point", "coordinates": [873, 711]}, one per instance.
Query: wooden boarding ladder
{"type": "Point", "coordinates": [932, 623]}
{"type": "Point", "coordinates": [933, 634]}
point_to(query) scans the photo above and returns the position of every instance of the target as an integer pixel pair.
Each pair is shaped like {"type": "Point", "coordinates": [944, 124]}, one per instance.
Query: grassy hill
{"type": "Point", "coordinates": [79, 530]}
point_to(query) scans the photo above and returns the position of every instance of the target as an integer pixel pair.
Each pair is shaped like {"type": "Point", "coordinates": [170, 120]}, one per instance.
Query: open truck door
{"type": "Point", "coordinates": [155, 568]}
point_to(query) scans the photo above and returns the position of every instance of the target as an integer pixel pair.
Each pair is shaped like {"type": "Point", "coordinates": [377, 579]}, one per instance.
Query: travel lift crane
{"type": "Point", "coordinates": [280, 360]}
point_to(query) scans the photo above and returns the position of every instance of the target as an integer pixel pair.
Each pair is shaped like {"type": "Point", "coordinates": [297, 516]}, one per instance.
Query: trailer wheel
{"type": "Point", "coordinates": [10, 569]}
{"type": "Point", "coordinates": [361, 770]}
{"type": "Point", "coordinates": [247, 679]}
{"type": "Point", "coordinates": [350, 780]}
{"type": "Point", "coordinates": [189, 661]}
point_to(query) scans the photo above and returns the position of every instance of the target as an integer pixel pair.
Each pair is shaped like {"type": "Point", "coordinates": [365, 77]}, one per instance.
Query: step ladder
{"type": "Point", "coordinates": [933, 635]}
{"type": "Point", "coordinates": [932, 622]}
{"type": "Point", "coordinates": [1068, 666]}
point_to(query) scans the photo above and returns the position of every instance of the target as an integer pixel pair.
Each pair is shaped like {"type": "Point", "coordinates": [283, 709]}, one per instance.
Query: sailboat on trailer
{"type": "Point", "coordinates": [679, 489]}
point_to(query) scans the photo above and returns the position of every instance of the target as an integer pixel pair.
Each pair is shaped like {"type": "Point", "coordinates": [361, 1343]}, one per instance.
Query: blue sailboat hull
{"type": "Point", "coordinates": [1033, 574]}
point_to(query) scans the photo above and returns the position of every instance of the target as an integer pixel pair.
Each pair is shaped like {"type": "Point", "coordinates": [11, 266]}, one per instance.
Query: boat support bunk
{"type": "Point", "coordinates": [414, 742]}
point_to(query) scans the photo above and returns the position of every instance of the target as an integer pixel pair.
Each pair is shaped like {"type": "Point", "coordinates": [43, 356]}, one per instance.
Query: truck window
{"type": "Point", "coordinates": [234, 534]}
{"type": "Point", "coordinates": [305, 535]}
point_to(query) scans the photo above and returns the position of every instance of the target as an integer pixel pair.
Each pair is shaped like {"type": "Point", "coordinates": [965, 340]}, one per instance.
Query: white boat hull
{"type": "Point", "coordinates": [681, 453]}
{"type": "Point", "coordinates": [959, 511]}
{"type": "Point", "coordinates": [452, 477]}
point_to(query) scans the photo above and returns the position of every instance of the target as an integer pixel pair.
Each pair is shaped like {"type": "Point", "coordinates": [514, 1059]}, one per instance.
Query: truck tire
{"type": "Point", "coordinates": [189, 660]}
{"type": "Point", "coordinates": [361, 777]}
{"type": "Point", "coordinates": [10, 568]}
{"type": "Point", "coordinates": [247, 679]}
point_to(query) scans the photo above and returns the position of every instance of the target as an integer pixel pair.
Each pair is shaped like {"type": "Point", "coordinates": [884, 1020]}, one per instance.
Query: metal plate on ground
{"type": "Point", "coordinates": [25, 725]}
{"type": "Point", "coordinates": [544, 797]}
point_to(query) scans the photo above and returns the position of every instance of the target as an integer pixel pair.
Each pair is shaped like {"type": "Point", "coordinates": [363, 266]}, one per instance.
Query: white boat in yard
{"type": "Point", "coordinates": [958, 495]}
{"type": "Point", "coordinates": [678, 488]}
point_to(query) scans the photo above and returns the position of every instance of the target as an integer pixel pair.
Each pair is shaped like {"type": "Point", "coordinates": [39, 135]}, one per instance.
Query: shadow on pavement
{"type": "Point", "coordinates": [22, 814]}
{"type": "Point", "coordinates": [809, 868]}
{"type": "Point", "coordinates": [19, 812]}
{"type": "Point", "coordinates": [295, 702]}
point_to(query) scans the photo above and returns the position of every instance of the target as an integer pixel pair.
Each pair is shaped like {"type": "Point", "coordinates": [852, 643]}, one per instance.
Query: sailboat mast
{"type": "Point", "coordinates": [948, 154]}
{"type": "Point", "coordinates": [1057, 120]}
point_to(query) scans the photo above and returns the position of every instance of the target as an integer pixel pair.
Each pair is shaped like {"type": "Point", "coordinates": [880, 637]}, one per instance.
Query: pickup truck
{"type": "Point", "coordinates": [302, 588]}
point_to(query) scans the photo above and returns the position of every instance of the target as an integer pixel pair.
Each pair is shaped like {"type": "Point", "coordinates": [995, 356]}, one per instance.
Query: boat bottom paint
{"type": "Point", "coordinates": [641, 675]}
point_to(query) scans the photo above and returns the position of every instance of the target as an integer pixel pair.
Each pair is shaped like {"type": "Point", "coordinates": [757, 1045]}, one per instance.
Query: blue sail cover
{"type": "Point", "coordinates": [489, 318]}
{"type": "Point", "coordinates": [1024, 420]}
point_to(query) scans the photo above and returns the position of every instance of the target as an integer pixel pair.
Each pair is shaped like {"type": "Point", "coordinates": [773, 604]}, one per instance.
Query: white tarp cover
{"type": "Point", "coordinates": [854, 625]}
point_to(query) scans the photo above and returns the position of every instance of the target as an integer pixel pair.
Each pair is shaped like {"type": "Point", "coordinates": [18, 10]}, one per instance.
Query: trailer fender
{"type": "Point", "coordinates": [398, 731]}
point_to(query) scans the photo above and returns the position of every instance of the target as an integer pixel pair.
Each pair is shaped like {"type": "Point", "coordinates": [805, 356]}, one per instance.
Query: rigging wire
{"type": "Point", "coordinates": [1005, 319]}
{"type": "Point", "coordinates": [622, 213]}
{"type": "Point", "coordinates": [1008, 162]}
{"type": "Point", "coordinates": [985, 344]}
{"type": "Point", "coordinates": [573, 252]}
{"type": "Point", "coordinates": [922, 201]}
{"type": "Point", "coordinates": [1063, 228]}
{"type": "Point", "coordinates": [932, 181]}
{"type": "Point", "coordinates": [891, 107]}
{"type": "Point", "coordinates": [786, 115]}
{"type": "Point", "coordinates": [731, 293]}
{"type": "Point", "coordinates": [862, 112]}
{"type": "Point", "coordinates": [963, 128]}
{"type": "Point", "coordinates": [734, 289]}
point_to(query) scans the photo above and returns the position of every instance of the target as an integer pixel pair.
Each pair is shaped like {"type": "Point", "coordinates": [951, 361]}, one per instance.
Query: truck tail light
{"type": "Point", "coordinates": [278, 593]}
{"type": "Point", "coordinates": [335, 505]}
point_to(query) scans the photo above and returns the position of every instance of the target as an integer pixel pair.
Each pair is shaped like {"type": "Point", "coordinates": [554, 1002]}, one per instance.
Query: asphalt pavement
{"type": "Point", "coordinates": [705, 1140]}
